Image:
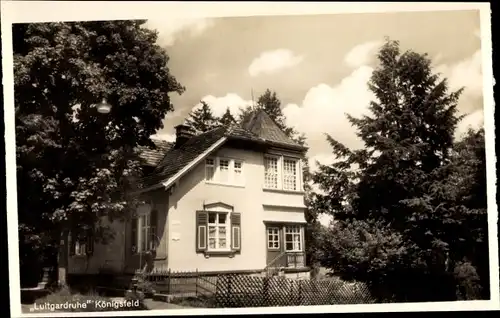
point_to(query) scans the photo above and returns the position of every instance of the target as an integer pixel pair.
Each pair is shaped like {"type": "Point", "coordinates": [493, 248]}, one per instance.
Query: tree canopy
{"type": "Point", "coordinates": [72, 162]}
{"type": "Point", "coordinates": [396, 222]}
{"type": "Point", "coordinates": [227, 118]}
{"type": "Point", "coordinates": [202, 119]}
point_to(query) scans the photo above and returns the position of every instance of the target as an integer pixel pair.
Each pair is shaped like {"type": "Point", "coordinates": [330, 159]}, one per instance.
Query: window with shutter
{"type": "Point", "coordinates": [218, 230]}
{"type": "Point", "coordinates": [236, 231]}
{"type": "Point", "coordinates": [133, 237]}
{"type": "Point", "coordinates": [201, 230]}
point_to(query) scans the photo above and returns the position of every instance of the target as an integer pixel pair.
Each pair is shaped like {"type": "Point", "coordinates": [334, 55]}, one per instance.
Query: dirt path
{"type": "Point", "coordinates": [156, 305]}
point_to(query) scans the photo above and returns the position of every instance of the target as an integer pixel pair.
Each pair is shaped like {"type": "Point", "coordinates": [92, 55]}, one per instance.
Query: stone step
{"type": "Point", "coordinates": [162, 297]}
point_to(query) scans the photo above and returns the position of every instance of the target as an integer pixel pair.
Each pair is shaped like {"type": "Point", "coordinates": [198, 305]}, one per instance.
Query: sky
{"type": "Point", "coordinates": [318, 65]}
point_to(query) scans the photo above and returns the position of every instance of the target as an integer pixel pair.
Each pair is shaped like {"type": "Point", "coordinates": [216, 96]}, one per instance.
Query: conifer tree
{"type": "Point", "coordinates": [226, 119]}
{"type": "Point", "coordinates": [392, 229]}
{"type": "Point", "coordinates": [202, 119]}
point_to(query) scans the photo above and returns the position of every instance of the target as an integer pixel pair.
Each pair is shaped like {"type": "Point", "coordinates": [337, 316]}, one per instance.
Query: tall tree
{"type": "Point", "coordinates": [392, 229]}
{"type": "Point", "coordinates": [202, 119]}
{"type": "Point", "coordinates": [227, 118]}
{"type": "Point", "coordinates": [463, 192]}
{"type": "Point", "coordinates": [75, 165]}
{"type": "Point", "coordinates": [244, 112]}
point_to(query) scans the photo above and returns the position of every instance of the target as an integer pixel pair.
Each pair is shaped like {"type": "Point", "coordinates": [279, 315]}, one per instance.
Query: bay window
{"type": "Point", "coordinates": [273, 238]}
{"type": "Point", "coordinates": [282, 173]}
{"type": "Point", "coordinates": [293, 238]}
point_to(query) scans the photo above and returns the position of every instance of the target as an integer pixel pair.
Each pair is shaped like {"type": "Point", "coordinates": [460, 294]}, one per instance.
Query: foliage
{"type": "Point", "coordinates": [202, 119]}
{"type": "Point", "coordinates": [73, 164]}
{"type": "Point", "coordinates": [227, 119]}
{"type": "Point", "coordinates": [397, 211]}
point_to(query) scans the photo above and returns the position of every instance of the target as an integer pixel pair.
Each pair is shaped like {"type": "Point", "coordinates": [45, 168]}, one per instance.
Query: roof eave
{"type": "Point", "coordinates": [272, 143]}
{"type": "Point", "coordinates": [167, 183]}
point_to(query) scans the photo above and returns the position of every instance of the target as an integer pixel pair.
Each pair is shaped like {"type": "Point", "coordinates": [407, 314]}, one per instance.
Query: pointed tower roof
{"type": "Point", "coordinates": [260, 124]}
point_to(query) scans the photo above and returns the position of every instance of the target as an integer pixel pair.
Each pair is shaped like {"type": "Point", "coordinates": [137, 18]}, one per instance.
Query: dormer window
{"type": "Point", "coordinates": [282, 173]}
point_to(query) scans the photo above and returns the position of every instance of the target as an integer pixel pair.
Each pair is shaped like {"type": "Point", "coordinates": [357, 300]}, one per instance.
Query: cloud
{"type": "Point", "coordinates": [170, 30]}
{"type": "Point", "coordinates": [164, 136]}
{"type": "Point", "coordinates": [322, 158]}
{"type": "Point", "coordinates": [220, 104]}
{"type": "Point", "coordinates": [467, 74]}
{"type": "Point", "coordinates": [271, 62]}
{"type": "Point", "coordinates": [474, 120]}
{"type": "Point", "coordinates": [362, 54]}
{"type": "Point", "coordinates": [324, 108]}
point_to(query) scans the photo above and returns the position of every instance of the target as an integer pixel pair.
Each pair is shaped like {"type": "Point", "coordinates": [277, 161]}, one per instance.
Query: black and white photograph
{"type": "Point", "coordinates": [188, 158]}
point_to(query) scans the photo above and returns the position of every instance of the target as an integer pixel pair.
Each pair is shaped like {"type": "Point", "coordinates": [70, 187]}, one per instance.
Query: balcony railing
{"type": "Point", "coordinates": [295, 259]}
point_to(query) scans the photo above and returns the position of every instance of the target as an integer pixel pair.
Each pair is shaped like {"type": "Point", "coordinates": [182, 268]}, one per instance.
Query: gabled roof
{"type": "Point", "coordinates": [152, 157]}
{"type": "Point", "coordinates": [257, 127]}
{"type": "Point", "coordinates": [177, 158]}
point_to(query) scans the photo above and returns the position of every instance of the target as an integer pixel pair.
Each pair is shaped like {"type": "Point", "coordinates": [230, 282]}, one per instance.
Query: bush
{"type": "Point", "coordinates": [468, 280]}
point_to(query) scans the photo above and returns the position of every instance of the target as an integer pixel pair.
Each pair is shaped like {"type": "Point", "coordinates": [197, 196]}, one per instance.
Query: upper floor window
{"type": "Point", "coordinates": [224, 171]}
{"type": "Point", "coordinates": [282, 173]}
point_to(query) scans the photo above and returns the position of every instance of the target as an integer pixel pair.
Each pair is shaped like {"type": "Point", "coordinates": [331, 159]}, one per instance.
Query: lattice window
{"type": "Point", "coordinates": [290, 174]}
{"type": "Point", "coordinates": [218, 229]}
{"type": "Point", "coordinates": [273, 238]}
{"type": "Point", "coordinates": [271, 172]}
{"type": "Point", "coordinates": [293, 238]}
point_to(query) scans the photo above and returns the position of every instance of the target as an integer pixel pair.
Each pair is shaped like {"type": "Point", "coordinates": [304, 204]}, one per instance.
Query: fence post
{"type": "Point", "coordinates": [229, 294]}
{"type": "Point", "coordinates": [300, 292]}
{"type": "Point", "coordinates": [169, 280]}
{"type": "Point", "coordinates": [265, 290]}
{"type": "Point", "coordinates": [196, 282]}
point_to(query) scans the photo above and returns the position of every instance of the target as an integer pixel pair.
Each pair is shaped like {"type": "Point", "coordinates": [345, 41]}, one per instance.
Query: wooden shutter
{"type": "Point", "coordinates": [236, 231]}
{"type": "Point", "coordinates": [201, 231]}
{"type": "Point", "coordinates": [153, 223]}
{"type": "Point", "coordinates": [133, 236]}
{"type": "Point", "coordinates": [71, 243]}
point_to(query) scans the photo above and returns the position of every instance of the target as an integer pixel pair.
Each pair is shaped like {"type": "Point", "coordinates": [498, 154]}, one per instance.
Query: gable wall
{"type": "Point", "coordinates": [193, 192]}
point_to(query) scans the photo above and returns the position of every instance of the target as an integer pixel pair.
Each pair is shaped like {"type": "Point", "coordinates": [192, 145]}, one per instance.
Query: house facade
{"type": "Point", "coordinates": [228, 200]}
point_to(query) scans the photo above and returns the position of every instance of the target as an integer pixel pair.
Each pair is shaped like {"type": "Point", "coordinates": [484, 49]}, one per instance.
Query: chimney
{"type": "Point", "coordinates": [182, 134]}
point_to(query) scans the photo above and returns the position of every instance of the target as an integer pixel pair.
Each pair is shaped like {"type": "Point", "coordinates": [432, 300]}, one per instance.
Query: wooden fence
{"type": "Point", "coordinates": [248, 291]}
{"type": "Point", "coordinates": [237, 290]}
